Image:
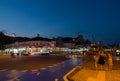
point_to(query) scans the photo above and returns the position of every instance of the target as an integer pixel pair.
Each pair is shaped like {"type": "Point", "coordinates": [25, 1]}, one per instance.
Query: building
{"type": "Point", "coordinates": [30, 46]}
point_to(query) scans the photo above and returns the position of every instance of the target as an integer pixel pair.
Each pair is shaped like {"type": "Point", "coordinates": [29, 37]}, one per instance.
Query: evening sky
{"type": "Point", "coordinates": [94, 19]}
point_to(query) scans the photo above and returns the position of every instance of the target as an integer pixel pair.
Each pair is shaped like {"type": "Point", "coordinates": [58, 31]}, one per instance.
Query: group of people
{"type": "Point", "coordinates": [101, 58]}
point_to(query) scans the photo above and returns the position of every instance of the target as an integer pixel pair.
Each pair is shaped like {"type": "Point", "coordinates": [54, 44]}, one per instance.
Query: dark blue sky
{"type": "Point", "coordinates": [52, 18]}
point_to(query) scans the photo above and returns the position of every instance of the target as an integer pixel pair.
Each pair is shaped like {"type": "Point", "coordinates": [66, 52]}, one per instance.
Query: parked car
{"type": "Point", "coordinates": [25, 53]}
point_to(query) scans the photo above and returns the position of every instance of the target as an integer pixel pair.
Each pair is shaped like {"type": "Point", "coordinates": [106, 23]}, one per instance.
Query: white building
{"type": "Point", "coordinates": [30, 46]}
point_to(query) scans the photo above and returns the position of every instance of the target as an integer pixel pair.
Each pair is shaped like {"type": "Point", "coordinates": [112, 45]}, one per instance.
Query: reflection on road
{"type": "Point", "coordinates": [45, 74]}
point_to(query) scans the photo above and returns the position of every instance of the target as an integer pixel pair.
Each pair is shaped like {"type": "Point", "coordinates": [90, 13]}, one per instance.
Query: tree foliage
{"type": "Point", "coordinates": [1, 40]}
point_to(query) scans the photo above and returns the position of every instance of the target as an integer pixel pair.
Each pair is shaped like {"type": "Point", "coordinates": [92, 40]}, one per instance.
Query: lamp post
{"type": "Point", "coordinates": [100, 45]}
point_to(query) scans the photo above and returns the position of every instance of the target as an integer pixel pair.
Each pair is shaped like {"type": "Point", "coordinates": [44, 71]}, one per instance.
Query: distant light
{"type": "Point", "coordinates": [117, 50]}
{"type": "Point", "coordinates": [15, 50]}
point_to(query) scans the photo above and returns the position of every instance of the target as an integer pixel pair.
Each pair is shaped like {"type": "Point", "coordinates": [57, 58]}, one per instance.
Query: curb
{"type": "Point", "coordinates": [67, 76]}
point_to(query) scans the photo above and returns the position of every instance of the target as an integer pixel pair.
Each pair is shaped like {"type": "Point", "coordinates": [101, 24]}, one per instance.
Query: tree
{"type": "Point", "coordinates": [80, 39]}
{"type": "Point", "coordinates": [2, 40]}
{"type": "Point", "coordinates": [59, 42]}
{"type": "Point", "coordinates": [54, 39]}
{"type": "Point", "coordinates": [38, 35]}
{"type": "Point", "coordinates": [87, 42]}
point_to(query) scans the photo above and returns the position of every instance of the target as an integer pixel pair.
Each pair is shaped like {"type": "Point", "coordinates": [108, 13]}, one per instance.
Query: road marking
{"type": "Point", "coordinates": [24, 70]}
{"type": "Point", "coordinates": [4, 70]}
{"type": "Point", "coordinates": [43, 68]}
{"type": "Point", "coordinates": [50, 66]}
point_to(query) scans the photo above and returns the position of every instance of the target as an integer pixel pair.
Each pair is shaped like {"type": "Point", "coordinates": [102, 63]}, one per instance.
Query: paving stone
{"type": "Point", "coordinates": [89, 73]}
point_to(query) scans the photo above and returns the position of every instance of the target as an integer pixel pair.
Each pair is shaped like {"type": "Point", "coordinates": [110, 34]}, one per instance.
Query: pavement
{"type": "Point", "coordinates": [87, 72]}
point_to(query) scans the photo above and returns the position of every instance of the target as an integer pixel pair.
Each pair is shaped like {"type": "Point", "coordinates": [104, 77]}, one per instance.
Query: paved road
{"type": "Point", "coordinates": [29, 62]}
{"type": "Point", "coordinates": [43, 74]}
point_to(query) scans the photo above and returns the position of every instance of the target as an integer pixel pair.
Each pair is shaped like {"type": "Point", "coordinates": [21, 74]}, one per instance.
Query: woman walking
{"type": "Point", "coordinates": [110, 61]}
{"type": "Point", "coordinates": [96, 56]}
{"type": "Point", "coordinates": [101, 60]}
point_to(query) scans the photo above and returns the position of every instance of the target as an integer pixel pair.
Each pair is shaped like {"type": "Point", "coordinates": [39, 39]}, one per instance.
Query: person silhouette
{"type": "Point", "coordinates": [110, 61]}
{"type": "Point", "coordinates": [101, 60]}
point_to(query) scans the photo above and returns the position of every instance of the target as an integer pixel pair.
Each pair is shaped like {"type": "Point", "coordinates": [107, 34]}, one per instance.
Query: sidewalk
{"type": "Point", "coordinates": [89, 73]}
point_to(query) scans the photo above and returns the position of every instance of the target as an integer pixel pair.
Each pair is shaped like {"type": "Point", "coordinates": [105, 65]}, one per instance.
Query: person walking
{"type": "Point", "coordinates": [101, 60]}
{"type": "Point", "coordinates": [110, 61]}
{"type": "Point", "coordinates": [96, 56]}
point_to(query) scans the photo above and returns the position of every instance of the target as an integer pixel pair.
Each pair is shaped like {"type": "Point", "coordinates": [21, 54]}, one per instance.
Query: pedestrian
{"type": "Point", "coordinates": [110, 61]}
{"type": "Point", "coordinates": [83, 56]}
{"type": "Point", "coordinates": [96, 56]}
{"type": "Point", "coordinates": [101, 60]}
{"type": "Point", "coordinates": [12, 55]}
